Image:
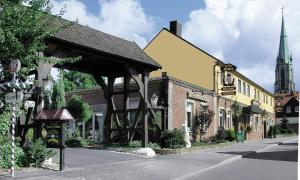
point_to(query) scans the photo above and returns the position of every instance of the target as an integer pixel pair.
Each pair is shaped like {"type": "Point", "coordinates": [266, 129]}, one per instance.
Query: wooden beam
{"type": "Point", "coordinates": [145, 80]}
{"type": "Point", "coordinates": [125, 104]}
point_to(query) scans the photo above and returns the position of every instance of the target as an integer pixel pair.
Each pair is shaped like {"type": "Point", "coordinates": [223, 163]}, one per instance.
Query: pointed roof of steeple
{"type": "Point", "coordinates": [284, 53]}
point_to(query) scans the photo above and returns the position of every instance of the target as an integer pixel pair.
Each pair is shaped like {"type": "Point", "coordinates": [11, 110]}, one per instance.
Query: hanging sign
{"type": "Point", "coordinates": [13, 97]}
{"type": "Point", "coordinates": [228, 67]}
{"type": "Point", "coordinates": [228, 93]}
{"type": "Point", "coordinates": [191, 95]}
{"type": "Point", "coordinates": [15, 66]}
{"type": "Point", "coordinates": [232, 88]}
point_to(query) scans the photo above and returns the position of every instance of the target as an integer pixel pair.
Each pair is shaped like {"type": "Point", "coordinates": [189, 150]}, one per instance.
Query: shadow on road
{"type": "Point", "coordinates": [277, 155]}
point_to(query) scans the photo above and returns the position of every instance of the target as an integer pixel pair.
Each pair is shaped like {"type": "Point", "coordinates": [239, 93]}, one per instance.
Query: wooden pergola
{"type": "Point", "coordinates": [106, 57]}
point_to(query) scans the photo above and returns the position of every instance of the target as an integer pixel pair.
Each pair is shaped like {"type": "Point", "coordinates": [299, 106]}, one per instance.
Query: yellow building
{"type": "Point", "coordinates": [183, 60]}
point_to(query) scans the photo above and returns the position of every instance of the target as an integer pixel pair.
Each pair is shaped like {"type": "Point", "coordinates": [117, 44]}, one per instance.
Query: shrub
{"type": "Point", "coordinates": [231, 135]}
{"type": "Point", "coordinates": [5, 155]}
{"type": "Point", "coordinates": [38, 153]}
{"type": "Point", "coordinates": [173, 139]}
{"type": "Point", "coordinates": [74, 142]}
{"type": "Point", "coordinates": [249, 129]}
{"type": "Point", "coordinates": [221, 136]}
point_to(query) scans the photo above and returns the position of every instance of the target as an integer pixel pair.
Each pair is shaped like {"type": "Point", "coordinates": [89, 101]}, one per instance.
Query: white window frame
{"type": "Point", "coordinates": [239, 86]}
{"type": "Point", "coordinates": [192, 112]}
{"type": "Point", "coordinates": [297, 109]}
{"type": "Point", "coordinates": [288, 109]}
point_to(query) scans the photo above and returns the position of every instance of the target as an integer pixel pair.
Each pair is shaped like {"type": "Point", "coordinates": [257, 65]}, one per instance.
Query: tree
{"type": "Point", "coordinates": [202, 120]}
{"type": "Point", "coordinates": [237, 111]}
{"type": "Point", "coordinates": [58, 93]}
{"type": "Point", "coordinates": [76, 81]}
{"type": "Point", "coordinates": [79, 109]}
{"type": "Point", "coordinates": [23, 30]}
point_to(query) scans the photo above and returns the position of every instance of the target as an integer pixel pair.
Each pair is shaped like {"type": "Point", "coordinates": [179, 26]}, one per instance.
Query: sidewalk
{"type": "Point", "coordinates": [177, 166]}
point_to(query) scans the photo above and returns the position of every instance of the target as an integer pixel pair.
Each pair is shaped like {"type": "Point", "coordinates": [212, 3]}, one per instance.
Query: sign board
{"type": "Point", "coordinates": [229, 88]}
{"type": "Point", "coordinates": [53, 134]}
{"type": "Point", "coordinates": [278, 109]}
{"type": "Point", "coordinates": [240, 136]}
{"type": "Point", "coordinates": [13, 97]}
{"type": "Point", "coordinates": [228, 93]}
{"type": "Point", "coordinates": [191, 95]}
{"type": "Point", "coordinates": [278, 98]}
{"type": "Point", "coordinates": [29, 104]}
{"type": "Point", "coordinates": [228, 67]}
{"type": "Point", "coordinates": [15, 66]}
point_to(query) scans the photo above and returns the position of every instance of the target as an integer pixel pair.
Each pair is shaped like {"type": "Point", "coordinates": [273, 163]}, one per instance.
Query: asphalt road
{"type": "Point", "coordinates": [277, 163]}
{"type": "Point", "coordinates": [280, 162]}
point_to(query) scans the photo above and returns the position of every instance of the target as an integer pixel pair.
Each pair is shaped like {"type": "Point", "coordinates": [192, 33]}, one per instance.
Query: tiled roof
{"type": "Point", "coordinates": [56, 114]}
{"type": "Point", "coordinates": [96, 40]}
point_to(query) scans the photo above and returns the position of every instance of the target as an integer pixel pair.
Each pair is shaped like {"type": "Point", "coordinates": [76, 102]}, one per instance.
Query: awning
{"type": "Point", "coordinates": [54, 115]}
{"type": "Point", "coordinates": [253, 109]}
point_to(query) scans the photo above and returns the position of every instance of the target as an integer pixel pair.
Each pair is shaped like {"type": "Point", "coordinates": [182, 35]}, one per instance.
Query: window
{"type": "Point", "coordinates": [258, 95]}
{"type": "Point", "coordinates": [244, 88]}
{"type": "Point", "coordinates": [271, 101]}
{"type": "Point", "coordinates": [229, 119]}
{"type": "Point", "coordinates": [288, 109]}
{"type": "Point", "coordinates": [239, 86]}
{"type": "Point", "coordinates": [264, 98]}
{"type": "Point", "coordinates": [255, 94]}
{"type": "Point", "coordinates": [248, 90]}
{"type": "Point", "coordinates": [189, 115]}
{"type": "Point", "coordinates": [222, 118]}
{"type": "Point", "coordinates": [297, 109]}
{"type": "Point", "coordinates": [267, 99]}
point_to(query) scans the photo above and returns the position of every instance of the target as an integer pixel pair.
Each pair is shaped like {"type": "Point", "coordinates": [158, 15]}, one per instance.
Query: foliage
{"type": "Point", "coordinates": [173, 139]}
{"type": "Point", "coordinates": [79, 109]}
{"type": "Point", "coordinates": [74, 142]}
{"type": "Point", "coordinates": [4, 122]}
{"type": "Point", "coordinates": [197, 144]}
{"type": "Point", "coordinates": [38, 153]}
{"type": "Point", "coordinates": [202, 120]}
{"type": "Point", "coordinates": [249, 129]}
{"type": "Point", "coordinates": [76, 81]}
{"type": "Point", "coordinates": [237, 111]}
{"type": "Point", "coordinates": [5, 153]}
{"type": "Point", "coordinates": [58, 94]}
{"type": "Point", "coordinates": [231, 135]}
{"type": "Point", "coordinates": [221, 136]}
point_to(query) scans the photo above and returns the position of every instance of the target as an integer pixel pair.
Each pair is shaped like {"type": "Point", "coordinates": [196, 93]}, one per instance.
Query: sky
{"type": "Point", "coordinates": [242, 32]}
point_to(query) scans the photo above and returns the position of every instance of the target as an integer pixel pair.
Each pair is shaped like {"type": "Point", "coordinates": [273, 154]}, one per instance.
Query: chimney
{"type": "Point", "coordinates": [175, 28]}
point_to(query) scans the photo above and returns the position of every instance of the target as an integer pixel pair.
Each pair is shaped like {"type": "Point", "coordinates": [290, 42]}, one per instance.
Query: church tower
{"type": "Point", "coordinates": [284, 73]}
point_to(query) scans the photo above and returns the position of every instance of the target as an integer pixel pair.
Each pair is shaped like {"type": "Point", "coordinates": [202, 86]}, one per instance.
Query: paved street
{"type": "Point", "coordinates": [209, 164]}
{"type": "Point", "coordinates": [277, 163]}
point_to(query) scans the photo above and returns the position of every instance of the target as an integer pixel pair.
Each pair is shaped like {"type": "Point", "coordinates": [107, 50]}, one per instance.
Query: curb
{"type": "Point", "coordinates": [232, 159]}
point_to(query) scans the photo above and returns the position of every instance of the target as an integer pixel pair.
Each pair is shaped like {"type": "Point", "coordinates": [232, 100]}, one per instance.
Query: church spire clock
{"type": "Point", "coordinates": [284, 73]}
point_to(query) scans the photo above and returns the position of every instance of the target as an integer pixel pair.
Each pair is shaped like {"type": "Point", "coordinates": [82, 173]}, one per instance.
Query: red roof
{"type": "Point", "coordinates": [286, 97]}
{"type": "Point", "coordinates": [56, 114]}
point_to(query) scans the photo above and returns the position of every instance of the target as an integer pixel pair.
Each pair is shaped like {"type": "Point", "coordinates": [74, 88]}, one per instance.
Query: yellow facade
{"type": "Point", "coordinates": [185, 61]}
{"type": "Point", "coordinates": [181, 60]}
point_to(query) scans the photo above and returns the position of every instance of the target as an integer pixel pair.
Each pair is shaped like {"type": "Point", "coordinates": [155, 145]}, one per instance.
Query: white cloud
{"type": "Point", "coordinates": [246, 33]}
{"type": "Point", "coordinates": [122, 18]}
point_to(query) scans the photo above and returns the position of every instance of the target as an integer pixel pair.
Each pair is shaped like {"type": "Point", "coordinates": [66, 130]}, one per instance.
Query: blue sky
{"type": "Point", "coordinates": [243, 32]}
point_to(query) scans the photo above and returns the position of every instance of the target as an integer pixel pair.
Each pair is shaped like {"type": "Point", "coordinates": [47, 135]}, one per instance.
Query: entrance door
{"type": "Point", "coordinates": [265, 129]}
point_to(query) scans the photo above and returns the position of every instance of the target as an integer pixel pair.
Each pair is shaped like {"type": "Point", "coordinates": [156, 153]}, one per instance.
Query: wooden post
{"type": "Point", "coordinates": [94, 128]}
{"type": "Point", "coordinates": [145, 79]}
{"type": "Point", "coordinates": [83, 130]}
{"type": "Point", "coordinates": [125, 106]}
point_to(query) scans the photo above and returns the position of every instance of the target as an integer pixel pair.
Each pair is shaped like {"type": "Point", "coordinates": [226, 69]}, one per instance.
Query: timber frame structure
{"type": "Point", "coordinates": [106, 58]}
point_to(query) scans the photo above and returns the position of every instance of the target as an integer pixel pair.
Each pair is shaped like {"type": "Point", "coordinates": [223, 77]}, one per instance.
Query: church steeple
{"type": "Point", "coordinates": [284, 73]}
{"type": "Point", "coordinates": [284, 53]}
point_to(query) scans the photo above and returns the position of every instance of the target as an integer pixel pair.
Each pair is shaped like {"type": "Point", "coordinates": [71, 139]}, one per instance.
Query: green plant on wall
{"type": "Point", "coordinates": [237, 111]}
{"type": "Point", "coordinates": [202, 120]}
